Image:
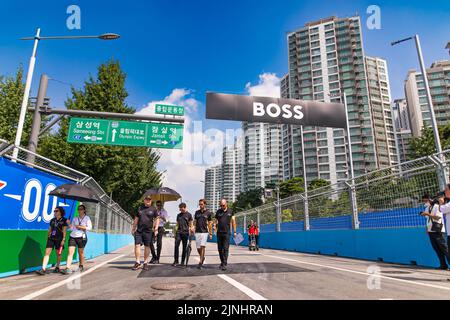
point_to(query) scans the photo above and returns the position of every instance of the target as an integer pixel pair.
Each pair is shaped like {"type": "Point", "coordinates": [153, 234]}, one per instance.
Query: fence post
{"type": "Point", "coordinates": [97, 216]}
{"type": "Point", "coordinates": [278, 213]}
{"type": "Point", "coordinates": [258, 219]}
{"type": "Point", "coordinates": [354, 205]}
{"type": "Point", "coordinates": [306, 211]}
{"type": "Point", "coordinates": [442, 170]}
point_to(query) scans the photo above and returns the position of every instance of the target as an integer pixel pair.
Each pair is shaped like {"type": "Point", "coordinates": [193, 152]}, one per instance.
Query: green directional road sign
{"type": "Point", "coordinates": [168, 109]}
{"type": "Point", "coordinates": [125, 133]}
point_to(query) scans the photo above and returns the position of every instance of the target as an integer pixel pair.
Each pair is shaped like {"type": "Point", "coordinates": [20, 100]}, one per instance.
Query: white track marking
{"type": "Point", "coordinates": [68, 280]}
{"type": "Point", "coordinates": [249, 292]}
{"type": "Point", "coordinates": [362, 273]}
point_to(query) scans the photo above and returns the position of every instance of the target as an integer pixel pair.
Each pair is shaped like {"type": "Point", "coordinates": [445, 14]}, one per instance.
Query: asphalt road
{"type": "Point", "coordinates": [266, 274]}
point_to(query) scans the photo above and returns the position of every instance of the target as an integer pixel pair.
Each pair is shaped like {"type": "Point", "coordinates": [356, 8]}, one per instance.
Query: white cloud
{"type": "Point", "coordinates": [268, 86]}
{"type": "Point", "coordinates": [184, 169]}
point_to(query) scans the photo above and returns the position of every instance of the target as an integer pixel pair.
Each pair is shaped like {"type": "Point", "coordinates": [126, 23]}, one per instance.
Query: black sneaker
{"type": "Point", "coordinates": [81, 268]}
{"type": "Point", "coordinates": [224, 268]}
{"type": "Point", "coordinates": [56, 270]}
{"type": "Point", "coordinates": [145, 267]}
{"type": "Point", "coordinates": [175, 263]}
{"type": "Point", "coordinates": [156, 261]}
{"type": "Point", "coordinates": [136, 266]}
{"type": "Point", "coordinates": [152, 261]}
{"type": "Point", "coordinates": [66, 271]}
{"type": "Point", "coordinates": [41, 272]}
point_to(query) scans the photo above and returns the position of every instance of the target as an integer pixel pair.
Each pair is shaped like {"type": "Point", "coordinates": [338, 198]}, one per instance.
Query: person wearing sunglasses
{"type": "Point", "coordinates": [56, 237]}
{"type": "Point", "coordinates": [224, 218]}
{"type": "Point", "coordinates": [78, 238]}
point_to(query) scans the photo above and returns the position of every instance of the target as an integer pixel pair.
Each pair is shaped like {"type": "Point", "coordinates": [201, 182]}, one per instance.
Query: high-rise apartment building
{"type": "Point", "coordinates": [380, 106]}
{"type": "Point", "coordinates": [402, 127]}
{"type": "Point", "coordinates": [233, 170]}
{"type": "Point", "coordinates": [418, 109]}
{"type": "Point", "coordinates": [326, 59]}
{"type": "Point", "coordinates": [213, 187]}
{"type": "Point", "coordinates": [262, 154]}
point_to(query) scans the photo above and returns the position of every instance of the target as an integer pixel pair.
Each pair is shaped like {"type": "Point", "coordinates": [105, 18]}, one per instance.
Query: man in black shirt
{"type": "Point", "coordinates": [203, 227]}
{"type": "Point", "coordinates": [145, 222]}
{"type": "Point", "coordinates": [184, 228]}
{"type": "Point", "coordinates": [224, 217]}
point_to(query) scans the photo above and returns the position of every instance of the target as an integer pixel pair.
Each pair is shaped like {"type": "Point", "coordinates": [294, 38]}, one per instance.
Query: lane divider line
{"type": "Point", "coordinates": [68, 280]}
{"type": "Point", "coordinates": [362, 273]}
{"type": "Point", "coordinates": [249, 292]}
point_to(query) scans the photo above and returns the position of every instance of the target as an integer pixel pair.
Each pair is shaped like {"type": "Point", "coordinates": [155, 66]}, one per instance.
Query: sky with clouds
{"type": "Point", "coordinates": [175, 51]}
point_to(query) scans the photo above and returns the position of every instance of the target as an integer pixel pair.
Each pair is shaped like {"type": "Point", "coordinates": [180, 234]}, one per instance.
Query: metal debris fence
{"type": "Point", "coordinates": [385, 198]}
{"type": "Point", "coordinates": [106, 216]}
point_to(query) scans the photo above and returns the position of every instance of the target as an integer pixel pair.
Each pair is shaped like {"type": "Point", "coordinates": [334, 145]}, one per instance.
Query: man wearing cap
{"type": "Point", "coordinates": [145, 223]}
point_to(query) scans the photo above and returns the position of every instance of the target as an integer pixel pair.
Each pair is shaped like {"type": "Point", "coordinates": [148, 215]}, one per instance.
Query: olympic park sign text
{"type": "Point", "coordinates": [274, 110]}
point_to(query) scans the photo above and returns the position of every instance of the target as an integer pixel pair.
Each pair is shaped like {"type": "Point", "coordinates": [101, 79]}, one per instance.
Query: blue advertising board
{"type": "Point", "coordinates": [24, 197]}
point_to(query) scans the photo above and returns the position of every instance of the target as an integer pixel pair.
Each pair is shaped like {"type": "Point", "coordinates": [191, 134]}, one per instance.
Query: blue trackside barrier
{"type": "Point", "coordinates": [395, 218]}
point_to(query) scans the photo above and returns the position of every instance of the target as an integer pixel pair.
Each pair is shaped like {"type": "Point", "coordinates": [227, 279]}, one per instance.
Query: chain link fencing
{"type": "Point", "coordinates": [107, 216]}
{"type": "Point", "coordinates": [385, 198]}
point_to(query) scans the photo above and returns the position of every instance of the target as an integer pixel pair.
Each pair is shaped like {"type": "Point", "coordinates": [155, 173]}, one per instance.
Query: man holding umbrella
{"type": "Point", "coordinates": [145, 223]}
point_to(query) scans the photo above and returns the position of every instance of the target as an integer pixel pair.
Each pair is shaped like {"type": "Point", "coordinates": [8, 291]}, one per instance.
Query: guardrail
{"type": "Point", "coordinates": [385, 198]}
{"type": "Point", "coordinates": [107, 216]}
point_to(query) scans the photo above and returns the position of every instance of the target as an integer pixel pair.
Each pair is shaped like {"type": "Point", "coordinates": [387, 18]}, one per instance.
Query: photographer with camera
{"type": "Point", "coordinates": [436, 228]}
{"type": "Point", "coordinates": [445, 209]}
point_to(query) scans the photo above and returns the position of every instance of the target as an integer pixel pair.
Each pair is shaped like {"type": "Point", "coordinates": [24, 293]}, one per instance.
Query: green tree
{"type": "Point", "coordinates": [11, 93]}
{"type": "Point", "coordinates": [291, 187]}
{"type": "Point", "coordinates": [247, 200]}
{"type": "Point", "coordinates": [424, 145]}
{"type": "Point", "coordinates": [126, 172]}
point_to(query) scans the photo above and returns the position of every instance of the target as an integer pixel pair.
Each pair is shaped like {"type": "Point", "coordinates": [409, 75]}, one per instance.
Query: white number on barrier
{"type": "Point", "coordinates": [46, 214]}
{"type": "Point", "coordinates": [31, 185]}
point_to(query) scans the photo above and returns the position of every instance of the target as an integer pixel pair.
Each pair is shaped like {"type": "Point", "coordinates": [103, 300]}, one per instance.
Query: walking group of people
{"type": "Point", "coordinates": [147, 227]}
{"type": "Point", "coordinates": [56, 238]}
{"type": "Point", "coordinates": [436, 228]}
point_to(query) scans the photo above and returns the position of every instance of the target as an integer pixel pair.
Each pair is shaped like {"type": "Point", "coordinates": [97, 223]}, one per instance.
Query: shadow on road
{"type": "Point", "coordinates": [164, 270]}
{"type": "Point", "coordinates": [30, 255]}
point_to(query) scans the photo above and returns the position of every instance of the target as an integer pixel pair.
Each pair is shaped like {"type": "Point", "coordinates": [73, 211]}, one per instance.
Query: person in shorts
{"type": "Point", "coordinates": [203, 229]}
{"type": "Point", "coordinates": [56, 237]}
{"type": "Point", "coordinates": [145, 222]}
{"type": "Point", "coordinates": [78, 238]}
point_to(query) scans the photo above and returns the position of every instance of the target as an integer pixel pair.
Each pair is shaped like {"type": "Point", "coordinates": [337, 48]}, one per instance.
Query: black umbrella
{"type": "Point", "coordinates": [163, 194]}
{"type": "Point", "coordinates": [188, 249]}
{"type": "Point", "coordinates": [75, 192]}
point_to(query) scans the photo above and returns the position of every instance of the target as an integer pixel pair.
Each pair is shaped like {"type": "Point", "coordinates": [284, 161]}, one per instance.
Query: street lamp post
{"type": "Point", "coordinates": [434, 126]}
{"type": "Point", "coordinates": [26, 94]}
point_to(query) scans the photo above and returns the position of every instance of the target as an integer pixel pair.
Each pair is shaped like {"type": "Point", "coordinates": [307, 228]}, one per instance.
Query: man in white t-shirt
{"type": "Point", "coordinates": [436, 228]}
